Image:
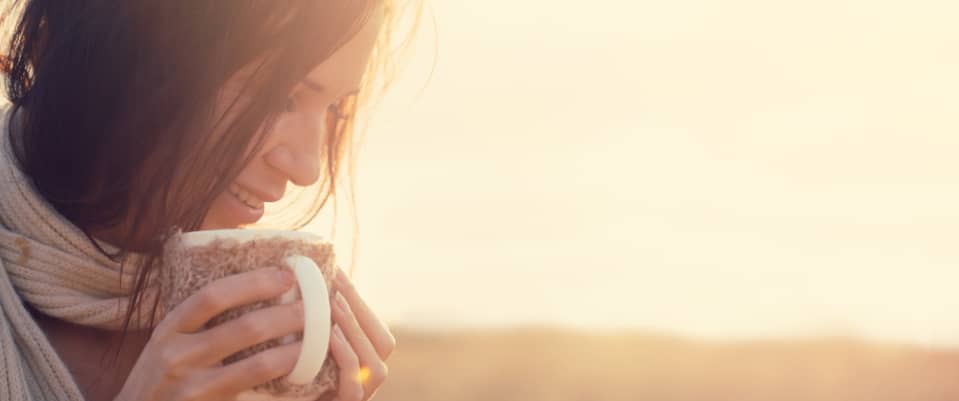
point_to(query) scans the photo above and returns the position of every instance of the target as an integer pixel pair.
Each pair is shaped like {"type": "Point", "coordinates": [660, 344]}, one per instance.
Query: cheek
{"type": "Point", "coordinates": [268, 138]}
{"type": "Point", "coordinates": [214, 218]}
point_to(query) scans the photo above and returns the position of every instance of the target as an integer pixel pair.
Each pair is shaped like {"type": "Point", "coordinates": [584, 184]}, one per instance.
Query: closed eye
{"type": "Point", "coordinates": [336, 111]}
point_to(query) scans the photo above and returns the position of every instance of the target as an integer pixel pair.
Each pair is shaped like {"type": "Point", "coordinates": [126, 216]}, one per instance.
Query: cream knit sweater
{"type": "Point", "coordinates": [49, 264]}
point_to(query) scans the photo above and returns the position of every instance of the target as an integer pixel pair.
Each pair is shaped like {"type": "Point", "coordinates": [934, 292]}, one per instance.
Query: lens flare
{"type": "Point", "coordinates": [363, 375]}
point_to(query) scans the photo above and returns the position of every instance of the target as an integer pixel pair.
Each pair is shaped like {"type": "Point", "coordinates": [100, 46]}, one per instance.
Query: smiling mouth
{"type": "Point", "coordinates": [245, 197]}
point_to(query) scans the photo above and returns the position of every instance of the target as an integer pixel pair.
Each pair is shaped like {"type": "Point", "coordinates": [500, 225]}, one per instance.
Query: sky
{"type": "Point", "coordinates": [719, 169]}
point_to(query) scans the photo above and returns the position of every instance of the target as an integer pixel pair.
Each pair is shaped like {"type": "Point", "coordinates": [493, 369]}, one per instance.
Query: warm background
{"type": "Point", "coordinates": [772, 185]}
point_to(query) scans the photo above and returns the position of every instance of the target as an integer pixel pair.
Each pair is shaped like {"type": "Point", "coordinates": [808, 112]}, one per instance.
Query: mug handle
{"type": "Point", "coordinates": [316, 310]}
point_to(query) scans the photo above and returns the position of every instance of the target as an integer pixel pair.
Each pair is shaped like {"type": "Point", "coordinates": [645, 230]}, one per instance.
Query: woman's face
{"type": "Point", "coordinates": [292, 149]}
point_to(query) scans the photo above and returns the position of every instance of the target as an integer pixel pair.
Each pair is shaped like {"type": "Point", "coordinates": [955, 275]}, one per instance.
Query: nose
{"type": "Point", "coordinates": [297, 151]}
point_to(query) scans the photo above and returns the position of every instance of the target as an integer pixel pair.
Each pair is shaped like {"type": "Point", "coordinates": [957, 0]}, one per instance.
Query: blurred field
{"type": "Point", "coordinates": [536, 364]}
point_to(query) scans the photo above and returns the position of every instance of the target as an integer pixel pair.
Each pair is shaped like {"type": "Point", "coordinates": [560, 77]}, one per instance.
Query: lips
{"type": "Point", "coordinates": [248, 199]}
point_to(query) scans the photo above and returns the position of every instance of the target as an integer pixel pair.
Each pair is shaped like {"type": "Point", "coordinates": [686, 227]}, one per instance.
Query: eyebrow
{"type": "Point", "coordinates": [313, 85]}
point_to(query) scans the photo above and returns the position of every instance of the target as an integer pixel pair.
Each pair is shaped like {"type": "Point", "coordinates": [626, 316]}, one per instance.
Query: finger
{"type": "Point", "coordinates": [226, 293]}
{"type": "Point", "coordinates": [349, 388]}
{"type": "Point", "coordinates": [257, 369]}
{"type": "Point", "coordinates": [229, 380]}
{"type": "Point", "coordinates": [248, 330]}
{"type": "Point", "coordinates": [377, 331]}
{"type": "Point", "coordinates": [372, 369]}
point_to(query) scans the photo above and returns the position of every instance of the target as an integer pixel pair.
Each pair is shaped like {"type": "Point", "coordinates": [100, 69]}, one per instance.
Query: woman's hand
{"type": "Point", "coordinates": [181, 362]}
{"type": "Point", "coordinates": [360, 344]}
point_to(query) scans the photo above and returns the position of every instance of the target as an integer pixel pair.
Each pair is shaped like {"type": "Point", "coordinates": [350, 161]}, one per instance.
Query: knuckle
{"type": "Point", "coordinates": [267, 282]}
{"type": "Point", "coordinates": [189, 393]}
{"type": "Point", "coordinates": [352, 361]}
{"type": "Point", "coordinates": [165, 329]}
{"type": "Point", "coordinates": [295, 313]}
{"type": "Point", "coordinates": [389, 344]}
{"type": "Point", "coordinates": [378, 372]}
{"type": "Point", "coordinates": [260, 367]}
{"type": "Point", "coordinates": [171, 359]}
{"type": "Point", "coordinates": [358, 392]}
{"type": "Point", "coordinates": [251, 327]}
{"type": "Point", "coordinates": [209, 301]}
{"type": "Point", "coordinates": [353, 393]}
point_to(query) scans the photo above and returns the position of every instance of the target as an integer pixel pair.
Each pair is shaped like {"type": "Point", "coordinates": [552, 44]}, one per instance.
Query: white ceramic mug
{"type": "Point", "coordinates": [199, 257]}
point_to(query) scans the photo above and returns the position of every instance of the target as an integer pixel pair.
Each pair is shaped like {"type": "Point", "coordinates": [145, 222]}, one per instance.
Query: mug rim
{"type": "Point", "coordinates": [204, 237]}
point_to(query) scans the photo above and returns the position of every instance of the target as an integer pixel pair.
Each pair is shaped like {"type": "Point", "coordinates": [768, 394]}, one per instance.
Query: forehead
{"type": "Point", "coordinates": [343, 70]}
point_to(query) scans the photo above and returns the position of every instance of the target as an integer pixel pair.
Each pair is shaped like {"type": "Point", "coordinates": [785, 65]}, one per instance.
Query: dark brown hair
{"type": "Point", "coordinates": [116, 101]}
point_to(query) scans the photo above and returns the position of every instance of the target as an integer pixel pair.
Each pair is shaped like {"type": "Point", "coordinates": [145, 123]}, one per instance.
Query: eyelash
{"type": "Point", "coordinates": [334, 109]}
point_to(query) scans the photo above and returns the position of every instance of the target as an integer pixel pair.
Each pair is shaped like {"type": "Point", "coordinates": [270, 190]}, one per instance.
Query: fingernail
{"type": "Point", "coordinates": [284, 277]}
{"type": "Point", "coordinates": [339, 333]}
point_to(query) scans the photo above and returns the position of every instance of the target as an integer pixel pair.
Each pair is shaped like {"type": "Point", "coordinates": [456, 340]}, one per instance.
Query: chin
{"type": "Point", "coordinates": [214, 219]}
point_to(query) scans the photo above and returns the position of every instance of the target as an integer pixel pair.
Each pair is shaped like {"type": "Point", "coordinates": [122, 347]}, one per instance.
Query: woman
{"type": "Point", "coordinates": [131, 117]}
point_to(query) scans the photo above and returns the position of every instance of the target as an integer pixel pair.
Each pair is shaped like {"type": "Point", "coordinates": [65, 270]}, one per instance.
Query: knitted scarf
{"type": "Point", "coordinates": [48, 263]}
